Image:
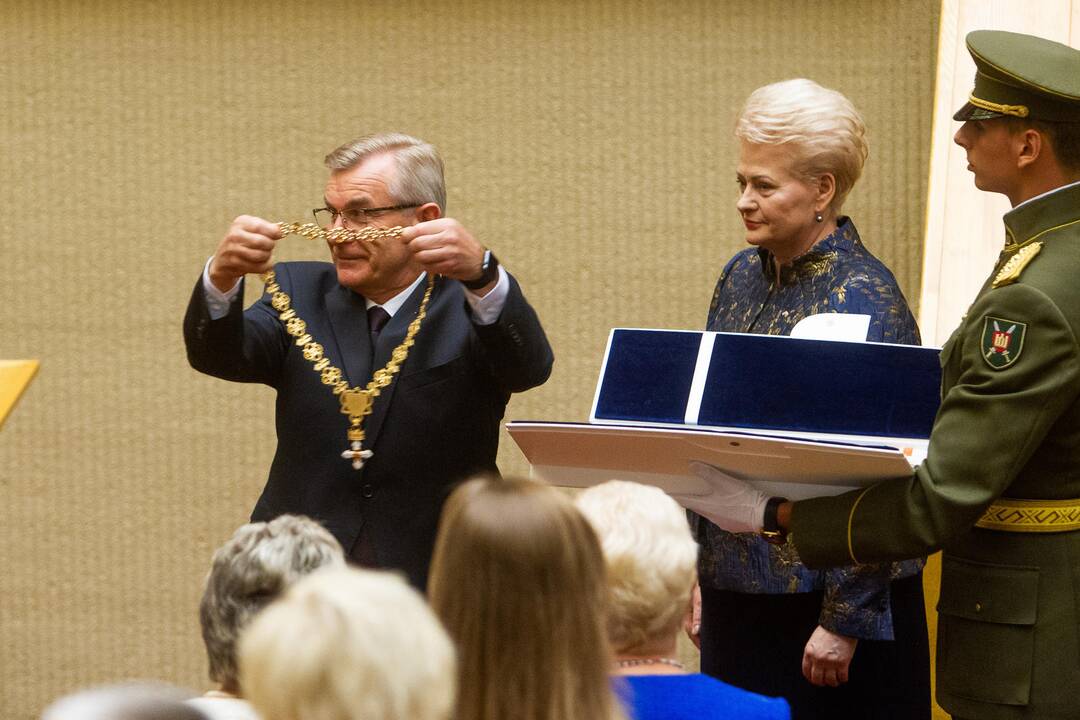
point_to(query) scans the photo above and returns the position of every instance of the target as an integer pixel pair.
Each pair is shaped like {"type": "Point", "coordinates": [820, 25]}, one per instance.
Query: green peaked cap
{"type": "Point", "coordinates": [1022, 76]}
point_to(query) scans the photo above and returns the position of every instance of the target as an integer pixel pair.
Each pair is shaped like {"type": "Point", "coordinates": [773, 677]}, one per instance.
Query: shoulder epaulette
{"type": "Point", "coordinates": [1015, 265]}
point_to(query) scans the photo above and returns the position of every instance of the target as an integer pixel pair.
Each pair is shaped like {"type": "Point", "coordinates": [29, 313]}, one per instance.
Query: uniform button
{"type": "Point", "coordinates": [367, 491]}
{"type": "Point", "coordinates": [978, 607]}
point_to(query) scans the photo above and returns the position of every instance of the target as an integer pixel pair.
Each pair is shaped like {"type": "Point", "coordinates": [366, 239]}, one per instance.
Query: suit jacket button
{"type": "Point", "coordinates": [367, 491]}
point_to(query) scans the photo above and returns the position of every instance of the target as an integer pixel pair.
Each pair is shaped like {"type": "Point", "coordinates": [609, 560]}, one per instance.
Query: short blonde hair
{"type": "Point", "coordinates": [348, 644]}
{"type": "Point", "coordinates": [252, 568]}
{"type": "Point", "coordinates": [825, 131]}
{"type": "Point", "coordinates": [518, 579]}
{"type": "Point", "coordinates": [651, 560]}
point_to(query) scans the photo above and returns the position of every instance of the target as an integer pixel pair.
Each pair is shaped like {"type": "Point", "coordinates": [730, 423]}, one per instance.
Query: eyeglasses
{"type": "Point", "coordinates": [353, 216]}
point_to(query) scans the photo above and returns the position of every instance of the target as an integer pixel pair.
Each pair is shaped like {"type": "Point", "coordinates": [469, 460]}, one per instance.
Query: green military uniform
{"type": "Point", "coordinates": [1008, 428]}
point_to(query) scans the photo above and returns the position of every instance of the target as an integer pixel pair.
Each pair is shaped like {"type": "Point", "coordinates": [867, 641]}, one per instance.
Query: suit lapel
{"type": "Point", "coordinates": [348, 320]}
{"type": "Point", "coordinates": [390, 337]}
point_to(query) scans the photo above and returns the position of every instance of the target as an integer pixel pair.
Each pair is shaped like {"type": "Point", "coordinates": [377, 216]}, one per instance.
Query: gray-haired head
{"type": "Point", "coordinates": [259, 562]}
{"type": "Point", "coordinates": [131, 701]}
{"type": "Point", "coordinates": [419, 176]}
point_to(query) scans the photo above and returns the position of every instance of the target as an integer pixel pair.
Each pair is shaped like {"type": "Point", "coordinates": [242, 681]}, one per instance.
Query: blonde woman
{"type": "Point", "coordinates": [651, 561]}
{"type": "Point", "coordinates": [348, 644]}
{"type": "Point", "coordinates": [846, 642]}
{"type": "Point", "coordinates": [518, 580]}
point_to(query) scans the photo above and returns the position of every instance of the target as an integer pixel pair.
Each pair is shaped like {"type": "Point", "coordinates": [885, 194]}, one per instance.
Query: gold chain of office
{"type": "Point", "coordinates": [356, 402]}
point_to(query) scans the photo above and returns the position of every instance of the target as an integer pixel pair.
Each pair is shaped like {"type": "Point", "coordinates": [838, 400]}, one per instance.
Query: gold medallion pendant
{"type": "Point", "coordinates": [356, 402]}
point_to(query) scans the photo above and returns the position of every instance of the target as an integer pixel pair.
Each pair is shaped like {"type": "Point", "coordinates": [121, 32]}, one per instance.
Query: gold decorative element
{"type": "Point", "coordinates": [822, 265]}
{"type": "Point", "coordinates": [1015, 265]}
{"type": "Point", "coordinates": [340, 235]}
{"type": "Point", "coordinates": [1014, 110]}
{"type": "Point", "coordinates": [850, 521]}
{"type": "Point", "coordinates": [1014, 246]}
{"type": "Point", "coordinates": [841, 292]}
{"type": "Point", "coordinates": [356, 402]}
{"type": "Point", "coordinates": [1031, 516]}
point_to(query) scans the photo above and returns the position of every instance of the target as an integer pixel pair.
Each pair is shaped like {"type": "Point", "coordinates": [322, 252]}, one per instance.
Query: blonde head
{"type": "Point", "coordinates": [823, 130]}
{"type": "Point", "coordinates": [651, 561]}
{"type": "Point", "coordinates": [518, 580]}
{"type": "Point", "coordinates": [348, 644]}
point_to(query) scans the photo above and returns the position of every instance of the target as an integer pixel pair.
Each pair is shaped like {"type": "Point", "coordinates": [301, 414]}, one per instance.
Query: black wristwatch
{"type": "Point", "coordinates": [489, 270]}
{"type": "Point", "coordinates": [770, 525]}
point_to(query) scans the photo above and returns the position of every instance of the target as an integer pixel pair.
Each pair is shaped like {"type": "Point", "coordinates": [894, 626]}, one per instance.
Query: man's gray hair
{"type": "Point", "coordinates": [419, 177]}
{"type": "Point", "coordinates": [259, 562]}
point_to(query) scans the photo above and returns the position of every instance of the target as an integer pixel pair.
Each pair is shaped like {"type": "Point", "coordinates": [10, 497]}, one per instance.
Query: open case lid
{"type": "Point", "coordinates": [768, 383]}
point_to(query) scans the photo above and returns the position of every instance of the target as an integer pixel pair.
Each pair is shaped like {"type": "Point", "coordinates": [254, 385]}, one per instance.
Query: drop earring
{"type": "Point", "coordinates": [819, 218]}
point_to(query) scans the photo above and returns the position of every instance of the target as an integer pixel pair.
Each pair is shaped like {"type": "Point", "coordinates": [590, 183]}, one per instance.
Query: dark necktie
{"type": "Point", "coordinates": [377, 318]}
{"type": "Point", "coordinates": [363, 552]}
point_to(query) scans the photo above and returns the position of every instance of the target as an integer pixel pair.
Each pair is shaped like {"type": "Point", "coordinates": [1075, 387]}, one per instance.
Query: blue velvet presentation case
{"type": "Point", "coordinates": [798, 417]}
{"type": "Point", "coordinates": [768, 383]}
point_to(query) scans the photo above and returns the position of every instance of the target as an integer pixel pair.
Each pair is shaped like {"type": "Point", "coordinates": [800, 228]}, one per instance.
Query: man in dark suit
{"type": "Point", "coordinates": [437, 420]}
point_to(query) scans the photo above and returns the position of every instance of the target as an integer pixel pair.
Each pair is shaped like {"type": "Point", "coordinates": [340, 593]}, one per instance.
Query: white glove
{"type": "Point", "coordinates": [733, 505]}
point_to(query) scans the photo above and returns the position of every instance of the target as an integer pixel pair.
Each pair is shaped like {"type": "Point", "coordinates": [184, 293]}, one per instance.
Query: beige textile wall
{"type": "Point", "coordinates": [587, 143]}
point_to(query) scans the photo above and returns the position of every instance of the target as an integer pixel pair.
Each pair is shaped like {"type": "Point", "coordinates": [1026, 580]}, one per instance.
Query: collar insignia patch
{"type": "Point", "coordinates": [1002, 341]}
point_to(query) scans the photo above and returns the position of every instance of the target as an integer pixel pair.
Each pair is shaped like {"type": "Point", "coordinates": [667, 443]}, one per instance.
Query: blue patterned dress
{"type": "Point", "coordinates": [838, 274]}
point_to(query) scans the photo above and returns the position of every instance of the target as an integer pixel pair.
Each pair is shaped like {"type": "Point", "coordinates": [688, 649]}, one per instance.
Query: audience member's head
{"type": "Point", "coordinates": [131, 701]}
{"type": "Point", "coordinates": [518, 579]}
{"type": "Point", "coordinates": [348, 644]}
{"type": "Point", "coordinates": [256, 565]}
{"type": "Point", "coordinates": [651, 563]}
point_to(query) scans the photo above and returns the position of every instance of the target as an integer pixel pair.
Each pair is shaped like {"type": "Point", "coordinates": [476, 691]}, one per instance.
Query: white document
{"type": "Point", "coordinates": [844, 327]}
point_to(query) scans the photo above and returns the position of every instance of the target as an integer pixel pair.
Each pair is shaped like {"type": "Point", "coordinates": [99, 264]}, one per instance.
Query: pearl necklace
{"type": "Point", "coordinates": [635, 662]}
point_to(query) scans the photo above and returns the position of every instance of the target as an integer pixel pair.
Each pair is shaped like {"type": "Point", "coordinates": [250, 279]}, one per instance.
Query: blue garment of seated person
{"type": "Point", "coordinates": [693, 697]}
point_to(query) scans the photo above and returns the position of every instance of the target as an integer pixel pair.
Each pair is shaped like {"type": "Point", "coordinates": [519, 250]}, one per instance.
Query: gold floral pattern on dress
{"type": "Point", "coordinates": [838, 274]}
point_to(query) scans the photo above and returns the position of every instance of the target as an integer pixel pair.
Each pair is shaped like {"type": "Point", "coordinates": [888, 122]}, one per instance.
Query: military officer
{"type": "Point", "coordinates": [999, 491]}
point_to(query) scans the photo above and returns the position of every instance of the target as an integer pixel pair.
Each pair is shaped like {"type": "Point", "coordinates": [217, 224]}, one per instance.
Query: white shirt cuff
{"type": "Point", "coordinates": [486, 309]}
{"type": "Point", "coordinates": [217, 302]}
